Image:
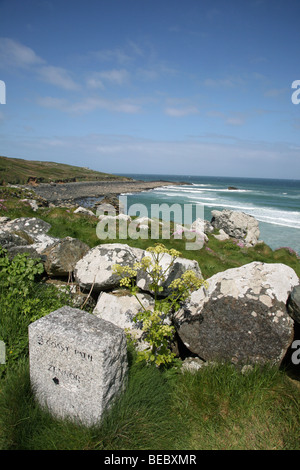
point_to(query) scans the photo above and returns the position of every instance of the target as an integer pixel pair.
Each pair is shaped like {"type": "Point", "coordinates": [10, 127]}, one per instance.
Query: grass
{"type": "Point", "coordinates": [216, 408]}
{"type": "Point", "coordinates": [17, 312]}
{"type": "Point", "coordinates": [139, 420]}
{"type": "Point", "coordinates": [20, 171]}
{"type": "Point", "coordinates": [229, 410]}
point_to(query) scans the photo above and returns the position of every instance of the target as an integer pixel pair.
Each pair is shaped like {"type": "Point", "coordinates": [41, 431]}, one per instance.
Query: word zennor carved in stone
{"type": "Point", "coordinates": [78, 364]}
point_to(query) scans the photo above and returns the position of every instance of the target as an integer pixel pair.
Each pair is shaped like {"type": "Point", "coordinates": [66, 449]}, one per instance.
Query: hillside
{"type": "Point", "coordinates": [19, 171]}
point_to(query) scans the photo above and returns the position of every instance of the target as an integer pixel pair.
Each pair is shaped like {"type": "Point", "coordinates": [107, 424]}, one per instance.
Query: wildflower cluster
{"type": "Point", "coordinates": [127, 273]}
{"type": "Point", "coordinates": [156, 324]}
{"type": "Point", "coordinates": [185, 285]}
{"type": "Point", "coordinates": [158, 336]}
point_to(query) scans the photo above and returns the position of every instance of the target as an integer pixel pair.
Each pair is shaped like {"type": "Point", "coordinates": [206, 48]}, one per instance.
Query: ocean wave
{"type": "Point", "coordinates": [280, 223]}
{"type": "Point", "coordinates": [231, 206]}
{"type": "Point", "coordinates": [202, 200]}
{"type": "Point", "coordinates": [267, 215]}
{"type": "Point", "coordinates": [272, 216]}
{"type": "Point", "coordinates": [180, 191]}
{"type": "Point", "coordinates": [200, 190]}
{"type": "Point", "coordinates": [264, 211]}
{"type": "Point", "coordinates": [171, 194]}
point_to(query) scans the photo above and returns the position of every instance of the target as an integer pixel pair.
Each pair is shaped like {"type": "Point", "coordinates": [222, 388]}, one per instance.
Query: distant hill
{"type": "Point", "coordinates": [19, 171]}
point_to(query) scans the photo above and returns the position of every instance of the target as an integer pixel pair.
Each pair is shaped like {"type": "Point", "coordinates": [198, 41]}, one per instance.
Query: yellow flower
{"type": "Point", "coordinates": [125, 281]}
{"type": "Point", "coordinates": [146, 262]}
{"type": "Point", "coordinates": [174, 253]}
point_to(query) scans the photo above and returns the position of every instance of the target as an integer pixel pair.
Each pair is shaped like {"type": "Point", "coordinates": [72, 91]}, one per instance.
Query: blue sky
{"type": "Point", "coordinates": [198, 87]}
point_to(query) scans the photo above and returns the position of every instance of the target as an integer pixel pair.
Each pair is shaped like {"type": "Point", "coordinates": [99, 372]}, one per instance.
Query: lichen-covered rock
{"type": "Point", "coordinates": [61, 257]}
{"type": "Point", "coordinates": [84, 211]}
{"type": "Point", "coordinates": [202, 225]}
{"type": "Point", "coordinates": [25, 235]}
{"type": "Point", "coordinates": [121, 309]}
{"type": "Point", "coordinates": [31, 225]}
{"type": "Point", "coordinates": [177, 269]}
{"type": "Point", "coordinates": [237, 225]}
{"type": "Point", "coordinates": [241, 317]}
{"type": "Point", "coordinates": [95, 269]}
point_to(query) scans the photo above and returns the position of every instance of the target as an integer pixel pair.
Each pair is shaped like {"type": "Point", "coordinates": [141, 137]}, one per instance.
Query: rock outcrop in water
{"type": "Point", "coordinates": [237, 225]}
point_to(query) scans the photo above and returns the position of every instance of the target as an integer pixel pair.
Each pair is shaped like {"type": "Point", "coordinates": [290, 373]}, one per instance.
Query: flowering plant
{"type": "Point", "coordinates": [156, 324]}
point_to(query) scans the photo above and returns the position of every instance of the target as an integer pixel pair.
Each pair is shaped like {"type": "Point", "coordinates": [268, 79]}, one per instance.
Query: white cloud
{"type": "Point", "coordinates": [235, 119]}
{"type": "Point", "coordinates": [58, 76]}
{"type": "Point", "coordinates": [95, 82]}
{"type": "Point", "coordinates": [229, 82]}
{"type": "Point", "coordinates": [276, 92]}
{"type": "Point", "coordinates": [13, 53]}
{"type": "Point", "coordinates": [111, 55]}
{"type": "Point", "coordinates": [116, 76]}
{"type": "Point", "coordinates": [136, 49]}
{"type": "Point", "coordinates": [90, 104]}
{"type": "Point", "coordinates": [125, 54]}
{"type": "Point", "coordinates": [180, 112]}
{"type": "Point", "coordinates": [52, 102]}
{"type": "Point", "coordinates": [99, 80]}
{"type": "Point", "coordinates": [119, 106]}
{"type": "Point", "coordinates": [147, 74]}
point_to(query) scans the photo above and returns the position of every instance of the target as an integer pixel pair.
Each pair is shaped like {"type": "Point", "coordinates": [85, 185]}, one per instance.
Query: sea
{"type": "Point", "coordinates": [275, 203]}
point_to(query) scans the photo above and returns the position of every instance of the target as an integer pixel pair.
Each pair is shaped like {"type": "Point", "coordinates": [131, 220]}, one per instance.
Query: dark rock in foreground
{"type": "Point", "coordinates": [293, 304]}
{"type": "Point", "coordinates": [242, 316]}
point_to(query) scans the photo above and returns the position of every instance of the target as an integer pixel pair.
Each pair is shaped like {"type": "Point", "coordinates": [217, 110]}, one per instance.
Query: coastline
{"type": "Point", "coordinates": [70, 192]}
{"type": "Point", "coordinates": [275, 203]}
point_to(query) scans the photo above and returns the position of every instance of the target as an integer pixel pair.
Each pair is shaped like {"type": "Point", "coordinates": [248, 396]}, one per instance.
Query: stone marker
{"type": "Point", "coordinates": [78, 364]}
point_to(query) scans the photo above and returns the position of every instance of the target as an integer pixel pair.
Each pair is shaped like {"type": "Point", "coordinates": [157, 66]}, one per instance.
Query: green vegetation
{"type": "Point", "coordinates": [19, 171]}
{"type": "Point", "coordinates": [23, 299]}
{"type": "Point", "coordinates": [219, 407]}
{"type": "Point", "coordinates": [157, 332]}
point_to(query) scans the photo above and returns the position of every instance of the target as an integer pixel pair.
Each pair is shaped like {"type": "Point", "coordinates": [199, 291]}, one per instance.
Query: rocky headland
{"type": "Point", "coordinates": [57, 193]}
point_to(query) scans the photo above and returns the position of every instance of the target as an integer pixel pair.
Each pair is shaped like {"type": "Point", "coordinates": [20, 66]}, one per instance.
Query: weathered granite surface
{"type": "Point", "coordinates": [237, 225]}
{"type": "Point", "coordinates": [78, 364]}
{"type": "Point", "coordinates": [242, 316]}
